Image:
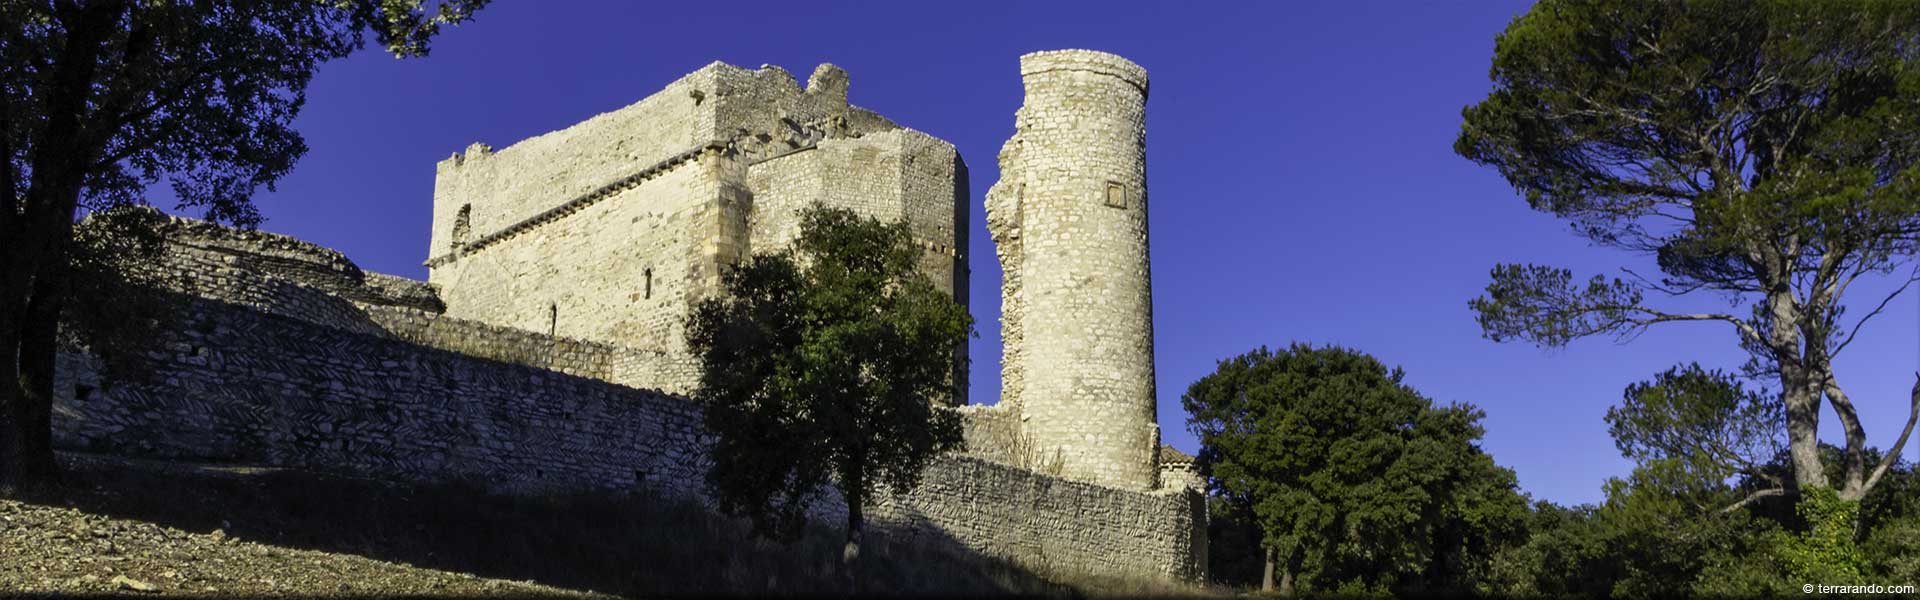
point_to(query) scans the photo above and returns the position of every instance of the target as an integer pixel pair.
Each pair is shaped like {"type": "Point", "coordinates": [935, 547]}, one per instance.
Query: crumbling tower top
{"type": "Point", "coordinates": [1094, 61]}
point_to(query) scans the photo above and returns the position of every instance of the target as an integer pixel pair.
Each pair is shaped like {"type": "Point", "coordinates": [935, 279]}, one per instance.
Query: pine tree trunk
{"type": "Point", "coordinates": [1802, 400]}
{"type": "Point", "coordinates": [1799, 391]}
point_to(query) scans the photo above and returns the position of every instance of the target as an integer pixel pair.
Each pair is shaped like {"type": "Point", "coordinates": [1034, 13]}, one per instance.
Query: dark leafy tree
{"type": "Point", "coordinates": [1763, 152]}
{"type": "Point", "coordinates": [1565, 556]}
{"type": "Point", "coordinates": [1892, 522]}
{"type": "Point", "coordinates": [1647, 540]}
{"type": "Point", "coordinates": [1234, 556]}
{"type": "Point", "coordinates": [826, 363]}
{"type": "Point", "coordinates": [101, 99]}
{"type": "Point", "coordinates": [1356, 482]}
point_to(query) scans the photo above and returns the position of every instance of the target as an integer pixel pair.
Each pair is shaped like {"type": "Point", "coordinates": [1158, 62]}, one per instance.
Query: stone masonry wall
{"type": "Point", "coordinates": [229, 383]}
{"type": "Point", "coordinates": [757, 113]}
{"type": "Point", "coordinates": [1069, 220]}
{"type": "Point", "coordinates": [630, 274]}
{"type": "Point", "coordinates": [232, 383]}
{"type": "Point", "coordinates": [269, 362]}
{"type": "Point", "coordinates": [891, 175]}
{"type": "Point", "coordinates": [613, 229]}
{"type": "Point", "coordinates": [631, 367]}
{"type": "Point", "coordinates": [276, 274]}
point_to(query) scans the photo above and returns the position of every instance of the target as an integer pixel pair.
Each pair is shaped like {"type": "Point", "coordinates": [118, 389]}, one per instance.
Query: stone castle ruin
{"type": "Point", "coordinates": [546, 351]}
{"type": "Point", "coordinates": [612, 229]}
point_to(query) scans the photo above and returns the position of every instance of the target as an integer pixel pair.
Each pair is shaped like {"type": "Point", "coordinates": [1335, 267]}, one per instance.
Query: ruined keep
{"type": "Point", "coordinates": [611, 230]}
{"type": "Point", "coordinates": [545, 353]}
{"type": "Point", "coordinates": [1069, 221]}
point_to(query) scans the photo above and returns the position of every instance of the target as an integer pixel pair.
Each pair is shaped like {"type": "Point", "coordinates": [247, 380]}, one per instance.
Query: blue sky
{"type": "Point", "coordinates": [1303, 185]}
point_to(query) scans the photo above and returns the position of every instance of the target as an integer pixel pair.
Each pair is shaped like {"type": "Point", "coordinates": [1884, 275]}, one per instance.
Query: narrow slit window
{"type": "Point", "coordinates": [648, 292]}
{"type": "Point", "coordinates": [553, 319]}
{"type": "Point", "coordinates": [1116, 194]}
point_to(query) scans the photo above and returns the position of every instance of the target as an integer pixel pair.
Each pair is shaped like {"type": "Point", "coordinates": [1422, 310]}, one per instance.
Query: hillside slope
{"type": "Point", "coordinates": [128, 525]}
{"type": "Point", "coordinates": [52, 549]}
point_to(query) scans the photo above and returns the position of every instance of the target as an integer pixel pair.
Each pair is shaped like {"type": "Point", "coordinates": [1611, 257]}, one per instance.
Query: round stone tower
{"type": "Point", "coordinates": [1069, 221]}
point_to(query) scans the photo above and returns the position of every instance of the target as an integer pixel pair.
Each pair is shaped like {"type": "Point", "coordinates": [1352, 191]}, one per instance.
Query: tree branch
{"type": "Point", "coordinates": [1854, 459]}
{"type": "Point", "coordinates": [1766, 493]}
{"type": "Point", "coordinates": [1746, 329]}
{"type": "Point", "coordinates": [1876, 310]}
{"type": "Point", "coordinates": [1893, 452]}
{"type": "Point", "coordinates": [1663, 287]}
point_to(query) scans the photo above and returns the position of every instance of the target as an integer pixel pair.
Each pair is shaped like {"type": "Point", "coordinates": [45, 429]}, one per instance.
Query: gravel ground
{"type": "Point", "coordinates": [57, 550]}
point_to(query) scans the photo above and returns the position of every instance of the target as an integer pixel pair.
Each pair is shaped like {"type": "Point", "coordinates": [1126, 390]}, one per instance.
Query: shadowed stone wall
{"type": "Point", "coordinates": [396, 392]}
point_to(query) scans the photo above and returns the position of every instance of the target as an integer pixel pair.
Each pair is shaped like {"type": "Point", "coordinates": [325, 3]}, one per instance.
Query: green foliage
{"type": "Point", "coordinates": [1709, 117]}
{"type": "Point", "coordinates": [1715, 137]}
{"type": "Point", "coordinates": [1894, 549]}
{"type": "Point", "coordinates": [1560, 558]}
{"type": "Point", "coordinates": [1826, 552]}
{"type": "Point", "coordinates": [202, 93]}
{"type": "Point", "coordinates": [1702, 426]}
{"type": "Point", "coordinates": [1645, 541]}
{"type": "Point", "coordinates": [1358, 481]}
{"type": "Point", "coordinates": [1764, 152]}
{"type": "Point", "coordinates": [828, 360]}
{"type": "Point", "coordinates": [101, 100]}
{"type": "Point", "coordinates": [1703, 514]}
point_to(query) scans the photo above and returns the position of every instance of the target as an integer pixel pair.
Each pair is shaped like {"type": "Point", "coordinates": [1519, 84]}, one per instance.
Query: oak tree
{"type": "Point", "coordinates": [826, 364]}
{"type": "Point", "coordinates": [1355, 480]}
{"type": "Point", "coordinates": [101, 99]}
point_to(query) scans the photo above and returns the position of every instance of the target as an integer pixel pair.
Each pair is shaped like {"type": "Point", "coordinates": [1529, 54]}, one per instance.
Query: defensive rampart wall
{"type": "Point", "coordinates": [403, 393]}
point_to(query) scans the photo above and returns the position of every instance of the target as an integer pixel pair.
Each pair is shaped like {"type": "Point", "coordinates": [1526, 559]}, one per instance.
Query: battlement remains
{"type": "Point", "coordinates": [763, 111]}
{"type": "Point", "coordinates": [1090, 61]}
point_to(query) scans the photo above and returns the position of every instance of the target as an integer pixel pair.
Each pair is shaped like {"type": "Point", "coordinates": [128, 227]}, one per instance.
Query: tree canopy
{"type": "Point", "coordinates": [1356, 481]}
{"type": "Point", "coordinates": [101, 100]}
{"type": "Point", "coordinates": [826, 363]}
{"type": "Point", "coordinates": [1760, 152]}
